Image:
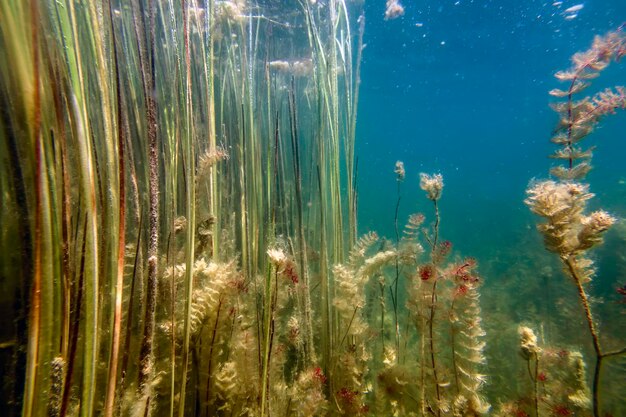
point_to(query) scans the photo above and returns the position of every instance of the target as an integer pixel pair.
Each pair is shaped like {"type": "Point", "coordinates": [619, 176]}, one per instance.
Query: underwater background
{"type": "Point", "coordinates": [461, 88]}
{"type": "Point", "coordinates": [312, 208]}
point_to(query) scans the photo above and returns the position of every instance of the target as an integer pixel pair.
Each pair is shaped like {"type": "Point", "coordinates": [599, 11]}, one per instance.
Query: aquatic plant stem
{"type": "Point", "coordinates": [352, 194]}
{"type": "Point", "coordinates": [295, 146]}
{"type": "Point", "coordinates": [570, 262]}
{"type": "Point", "coordinates": [436, 226]}
{"type": "Point", "coordinates": [190, 210]}
{"type": "Point", "coordinates": [146, 366]}
{"type": "Point", "coordinates": [75, 324]}
{"type": "Point", "coordinates": [615, 353]}
{"type": "Point", "coordinates": [570, 122]}
{"type": "Point", "coordinates": [130, 308]}
{"type": "Point", "coordinates": [534, 380]}
{"type": "Point", "coordinates": [433, 300]}
{"type": "Point", "coordinates": [88, 191]}
{"type": "Point", "coordinates": [382, 317]}
{"type": "Point", "coordinates": [397, 264]}
{"type": "Point", "coordinates": [536, 385]}
{"type": "Point", "coordinates": [270, 297]}
{"type": "Point", "coordinates": [119, 282]}
{"type": "Point", "coordinates": [34, 317]}
{"type": "Point", "coordinates": [453, 347]}
{"type": "Point", "coordinates": [211, 347]}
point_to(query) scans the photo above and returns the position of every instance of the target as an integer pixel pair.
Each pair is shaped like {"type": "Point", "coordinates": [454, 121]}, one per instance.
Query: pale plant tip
{"type": "Point", "coordinates": [277, 256]}
{"type": "Point", "coordinates": [432, 184]}
{"type": "Point", "coordinates": [399, 170]}
{"type": "Point", "coordinates": [394, 10]}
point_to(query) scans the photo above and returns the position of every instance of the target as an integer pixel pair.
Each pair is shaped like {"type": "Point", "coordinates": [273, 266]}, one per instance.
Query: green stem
{"type": "Point", "coordinates": [189, 158]}
{"type": "Point", "coordinates": [269, 334]}
{"type": "Point", "coordinates": [395, 305]}
{"type": "Point", "coordinates": [34, 325]}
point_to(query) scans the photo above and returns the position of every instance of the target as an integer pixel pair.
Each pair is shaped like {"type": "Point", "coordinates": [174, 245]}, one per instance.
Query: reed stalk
{"type": "Point", "coordinates": [117, 113]}
{"type": "Point", "coordinates": [121, 247]}
{"type": "Point", "coordinates": [35, 320]}
{"type": "Point", "coordinates": [189, 209]}
{"type": "Point", "coordinates": [271, 294]}
{"type": "Point", "coordinates": [88, 192]}
{"type": "Point", "coordinates": [145, 46]}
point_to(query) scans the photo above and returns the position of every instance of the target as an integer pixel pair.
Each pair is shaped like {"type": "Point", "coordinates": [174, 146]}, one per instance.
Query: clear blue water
{"type": "Point", "coordinates": [461, 88]}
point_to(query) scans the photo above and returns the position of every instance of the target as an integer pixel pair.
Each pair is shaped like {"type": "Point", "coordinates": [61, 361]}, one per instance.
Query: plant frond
{"type": "Point", "coordinates": [577, 172]}
{"type": "Point", "coordinates": [572, 153]}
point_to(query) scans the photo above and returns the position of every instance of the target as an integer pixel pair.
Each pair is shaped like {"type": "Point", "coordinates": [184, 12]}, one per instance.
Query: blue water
{"type": "Point", "coordinates": [461, 88]}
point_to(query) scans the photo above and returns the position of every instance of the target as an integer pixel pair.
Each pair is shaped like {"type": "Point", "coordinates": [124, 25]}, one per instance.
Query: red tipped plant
{"type": "Point", "coordinates": [427, 272]}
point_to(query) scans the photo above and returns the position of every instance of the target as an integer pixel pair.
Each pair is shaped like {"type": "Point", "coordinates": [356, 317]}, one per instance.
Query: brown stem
{"type": "Point", "coordinates": [34, 317]}
{"type": "Point", "coordinates": [433, 300]}
{"type": "Point", "coordinates": [570, 263]}
{"type": "Point", "coordinates": [614, 353]}
{"type": "Point", "coordinates": [208, 381]}
{"type": "Point", "coordinates": [382, 317]}
{"type": "Point", "coordinates": [74, 326]}
{"type": "Point", "coordinates": [570, 122]}
{"type": "Point", "coordinates": [395, 305]}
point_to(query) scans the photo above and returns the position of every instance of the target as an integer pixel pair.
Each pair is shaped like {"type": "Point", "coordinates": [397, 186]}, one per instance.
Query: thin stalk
{"type": "Point", "coordinates": [190, 210]}
{"type": "Point", "coordinates": [423, 363]}
{"type": "Point", "coordinates": [355, 105]}
{"type": "Point", "coordinates": [293, 117]}
{"type": "Point", "coordinates": [208, 380]}
{"type": "Point", "coordinates": [453, 348]}
{"type": "Point", "coordinates": [75, 326]}
{"type": "Point", "coordinates": [269, 335]}
{"type": "Point", "coordinates": [69, 27]}
{"type": "Point", "coordinates": [397, 265]}
{"type": "Point", "coordinates": [615, 353]}
{"type": "Point", "coordinates": [382, 317]}
{"type": "Point", "coordinates": [34, 318]}
{"type": "Point", "coordinates": [582, 295]}
{"type": "Point", "coordinates": [436, 226]}
{"type": "Point", "coordinates": [147, 58]}
{"type": "Point", "coordinates": [433, 301]}
{"type": "Point", "coordinates": [119, 284]}
{"type": "Point", "coordinates": [107, 167]}
{"type": "Point", "coordinates": [536, 385]}
{"type": "Point", "coordinates": [325, 296]}
{"type": "Point", "coordinates": [214, 201]}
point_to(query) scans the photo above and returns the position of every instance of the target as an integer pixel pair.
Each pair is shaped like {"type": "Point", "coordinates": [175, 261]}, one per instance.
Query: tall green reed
{"type": "Point", "coordinates": [114, 126]}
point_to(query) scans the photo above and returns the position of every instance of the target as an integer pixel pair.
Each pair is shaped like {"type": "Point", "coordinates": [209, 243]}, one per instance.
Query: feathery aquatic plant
{"type": "Point", "coordinates": [568, 229]}
{"type": "Point", "coordinates": [577, 118]}
{"type": "Point", "coordinates": [443, 303]}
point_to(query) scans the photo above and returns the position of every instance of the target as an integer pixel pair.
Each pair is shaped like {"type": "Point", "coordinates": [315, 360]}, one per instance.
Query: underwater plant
{"type": "Point", "coordinates": [558, 381]}
{"type": "Point", "coordinates": [444, 307]}
{"type": "Point", "coordinates": [569, 230]}
{"type": "Point", "coordinates": [154, 167]}
{"type": "Point", "coordinates": [393, 9]}
{"type": "Point", "coordinates": [179, 224]}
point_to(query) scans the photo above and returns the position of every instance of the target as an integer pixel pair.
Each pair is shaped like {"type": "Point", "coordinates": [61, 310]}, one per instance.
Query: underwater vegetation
{"type": "Point", "coordinates": [179, 233]}
{"type": "Point", "coordinates": [569, 230]}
